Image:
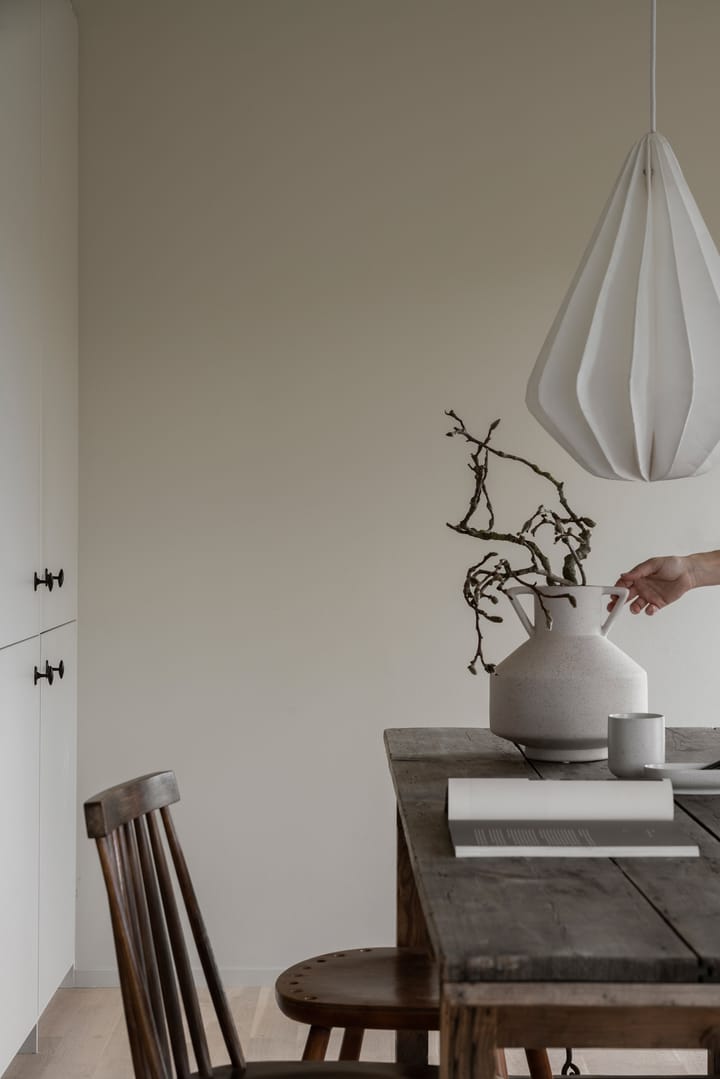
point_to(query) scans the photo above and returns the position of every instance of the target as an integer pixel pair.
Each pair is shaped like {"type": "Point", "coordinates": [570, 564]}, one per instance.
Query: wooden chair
{"type": "Point", "coordinates": [370, 989]}
{"type": "Point", "coordinates": [134, 833]}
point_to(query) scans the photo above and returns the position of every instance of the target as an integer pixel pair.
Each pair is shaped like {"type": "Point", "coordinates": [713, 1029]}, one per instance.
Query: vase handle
{"type": "Point", "coordinates": [621, 595]}
{"type": "Point", "coordinates": [512, 594]}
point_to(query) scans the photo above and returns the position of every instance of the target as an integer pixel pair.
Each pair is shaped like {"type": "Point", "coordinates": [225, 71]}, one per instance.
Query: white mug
{"type": "Point", "coordinates": [634, 740]}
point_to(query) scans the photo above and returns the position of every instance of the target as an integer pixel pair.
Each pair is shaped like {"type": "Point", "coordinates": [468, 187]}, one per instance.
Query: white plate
{"type": "Point", "coordinates": [686, 777]}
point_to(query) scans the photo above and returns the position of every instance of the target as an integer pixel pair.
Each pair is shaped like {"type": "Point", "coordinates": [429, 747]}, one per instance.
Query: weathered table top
{"type": "Point", "coordinates": [556, 919]}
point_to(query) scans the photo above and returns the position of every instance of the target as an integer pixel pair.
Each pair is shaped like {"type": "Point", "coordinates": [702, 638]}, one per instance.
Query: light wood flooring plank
{"type": "Point", "coordinates": [82, 1036]}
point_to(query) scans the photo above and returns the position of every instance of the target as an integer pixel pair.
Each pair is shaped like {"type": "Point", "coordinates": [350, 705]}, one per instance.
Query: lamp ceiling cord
{"type": "Point", "coordinates": [627, 380]}
{"type": "Point", "coordinates": [653, 51]}
{"type": "Point", "coordinates": [648, 170]}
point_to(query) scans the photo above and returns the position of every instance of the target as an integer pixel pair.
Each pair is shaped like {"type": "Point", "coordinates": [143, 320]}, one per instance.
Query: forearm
{"type": "Point", "coordinates": [704, 568]}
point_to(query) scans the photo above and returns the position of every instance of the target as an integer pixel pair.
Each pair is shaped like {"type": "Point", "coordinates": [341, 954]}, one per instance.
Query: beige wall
{"type": "Point", "coordinates": [308, 227]}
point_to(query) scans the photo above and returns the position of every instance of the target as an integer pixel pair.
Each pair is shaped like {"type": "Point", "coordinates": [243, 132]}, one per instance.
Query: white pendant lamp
{"type": "Point", "coordinates": [628, 380]}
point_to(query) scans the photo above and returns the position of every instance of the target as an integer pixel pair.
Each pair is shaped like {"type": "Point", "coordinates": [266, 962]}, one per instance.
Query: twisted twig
{"type": "Point", "coordinates": [483, 581]}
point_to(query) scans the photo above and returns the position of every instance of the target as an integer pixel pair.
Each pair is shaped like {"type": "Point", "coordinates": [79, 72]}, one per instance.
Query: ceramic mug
{"type": "Point", "coordinates": [634, 740]}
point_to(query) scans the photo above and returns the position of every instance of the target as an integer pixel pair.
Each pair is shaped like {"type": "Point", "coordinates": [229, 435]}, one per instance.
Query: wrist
{"type": "Point", "coordinates": [703, 568]}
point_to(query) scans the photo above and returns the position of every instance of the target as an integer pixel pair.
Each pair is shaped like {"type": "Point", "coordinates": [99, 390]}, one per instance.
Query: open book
{"type": "Point", "coordinates": [574, 818]}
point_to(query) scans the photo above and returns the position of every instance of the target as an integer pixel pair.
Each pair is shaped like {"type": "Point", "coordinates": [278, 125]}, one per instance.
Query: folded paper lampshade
{"type": "Point", "coordinates": [628, 380]}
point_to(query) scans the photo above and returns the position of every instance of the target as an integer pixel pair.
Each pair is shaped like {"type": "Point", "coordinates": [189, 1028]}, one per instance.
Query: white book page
{"type": "Point", "coordinates": [559, 799]}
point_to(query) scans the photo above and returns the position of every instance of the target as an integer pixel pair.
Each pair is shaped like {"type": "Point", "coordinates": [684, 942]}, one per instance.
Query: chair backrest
{"type": "Point", "coordinates": [133, 829]}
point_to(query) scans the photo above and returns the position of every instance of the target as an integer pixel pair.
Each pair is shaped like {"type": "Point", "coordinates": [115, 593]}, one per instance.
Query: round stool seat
{"type": "Point", "coordinates": [374, 988]}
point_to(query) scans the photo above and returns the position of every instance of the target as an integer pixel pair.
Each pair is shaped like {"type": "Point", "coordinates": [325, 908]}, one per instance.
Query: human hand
{"type": "Point", "coordinates": [655, 583]}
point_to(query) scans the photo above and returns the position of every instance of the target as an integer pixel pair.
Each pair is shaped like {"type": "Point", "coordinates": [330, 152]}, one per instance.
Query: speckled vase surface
{"type": "Point", "coordinates": [554, 693]}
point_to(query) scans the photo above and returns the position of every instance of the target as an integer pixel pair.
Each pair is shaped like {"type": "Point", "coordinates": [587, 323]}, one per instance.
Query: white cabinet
{"type": "Point", "coordinates": [38, 507]}
{"type": "Point", "coordinates": [37, 828]}
{"type": "Point", "coordinates": [21, 388]}
{"type": "Point", "coordinates": [59, 307]}
{"type": "Point", "coordinates": [19, 784]}
{"type": "Point", "coordinates": [58, 738]}
{"type": "Point", "coordinates": [38, 315]}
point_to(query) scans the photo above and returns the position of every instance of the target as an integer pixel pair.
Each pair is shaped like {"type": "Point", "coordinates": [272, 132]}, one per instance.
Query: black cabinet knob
{"type": "Point", "coordinates": [48, 579]}
{"type": "Point", "coordinates": [60, 668]}
{"type": "Point", "coordinates": [48, 673]}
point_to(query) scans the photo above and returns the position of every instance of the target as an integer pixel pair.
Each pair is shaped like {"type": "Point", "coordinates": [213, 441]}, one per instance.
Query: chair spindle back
{"type": "Point", "coordinates": [134, 832]}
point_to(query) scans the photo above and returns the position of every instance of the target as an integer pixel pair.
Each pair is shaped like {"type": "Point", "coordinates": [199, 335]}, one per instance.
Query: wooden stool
{"type": "Point", "coordinates": [369, 989]}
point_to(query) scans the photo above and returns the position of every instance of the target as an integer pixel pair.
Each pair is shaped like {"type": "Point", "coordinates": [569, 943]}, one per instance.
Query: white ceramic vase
{"type": "Point", "coordinates": [554, 693]}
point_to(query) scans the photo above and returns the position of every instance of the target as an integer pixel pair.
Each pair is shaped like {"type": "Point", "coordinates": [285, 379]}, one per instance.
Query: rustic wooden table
{"type": "Point", "coordinates": [614, 953]}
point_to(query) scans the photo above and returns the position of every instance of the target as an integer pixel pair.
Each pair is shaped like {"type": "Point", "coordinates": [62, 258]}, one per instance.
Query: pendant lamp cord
{"type": "Point", "coordinates": [653, 49]}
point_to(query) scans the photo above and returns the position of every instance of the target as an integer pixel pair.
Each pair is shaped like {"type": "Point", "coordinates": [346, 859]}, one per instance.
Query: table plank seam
{"type": "Point", "coordinates": [698, 820]}
{"type": "Point", "coordinates": [527, 760]}
{"type": "Point", "coordinates": [704, 971]}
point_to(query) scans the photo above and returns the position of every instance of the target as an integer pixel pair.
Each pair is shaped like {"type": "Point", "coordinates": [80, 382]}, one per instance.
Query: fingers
{"type": "Point", "coordinates": [643, 569]}
{"type": "Point", "coordinates": [635, 581]}
{"type": "Point", "coordinates": [641, 595]}
{"type": "Point", "coordinates": [623, 582]}
{"type": "Point", "coordinates": [614, 599]}
{"type": "Point", "coordinates": [647, 600]}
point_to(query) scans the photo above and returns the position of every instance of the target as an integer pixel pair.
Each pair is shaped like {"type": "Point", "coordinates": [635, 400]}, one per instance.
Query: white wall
{"type": "Point", "coordinates": [308, 227]}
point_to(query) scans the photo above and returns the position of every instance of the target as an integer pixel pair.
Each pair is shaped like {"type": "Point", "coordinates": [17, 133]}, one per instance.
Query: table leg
{"type": "Point", "coordinates": [411, 1046]}
{"type": "Point", "coordinates": [468, 1042]}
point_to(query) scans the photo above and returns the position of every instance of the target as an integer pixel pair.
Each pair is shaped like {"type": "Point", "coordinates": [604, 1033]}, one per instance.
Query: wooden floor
{"type": "Point", "coordinates": [82, 1036]}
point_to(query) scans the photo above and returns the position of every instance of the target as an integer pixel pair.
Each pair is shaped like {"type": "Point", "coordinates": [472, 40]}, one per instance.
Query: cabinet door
{"type": "Point", "coordinates": [19, 749]}
{"type": "Point", "coordinates": [58, 809]}
{"type": "Point", "coordinates": [20, 376]}
{"type": "Point", "coordinates": [59, 309]}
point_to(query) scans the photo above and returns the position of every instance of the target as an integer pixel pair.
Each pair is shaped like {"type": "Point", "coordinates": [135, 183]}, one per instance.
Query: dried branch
{"type": "Point", "coordinates": [484, 581]}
